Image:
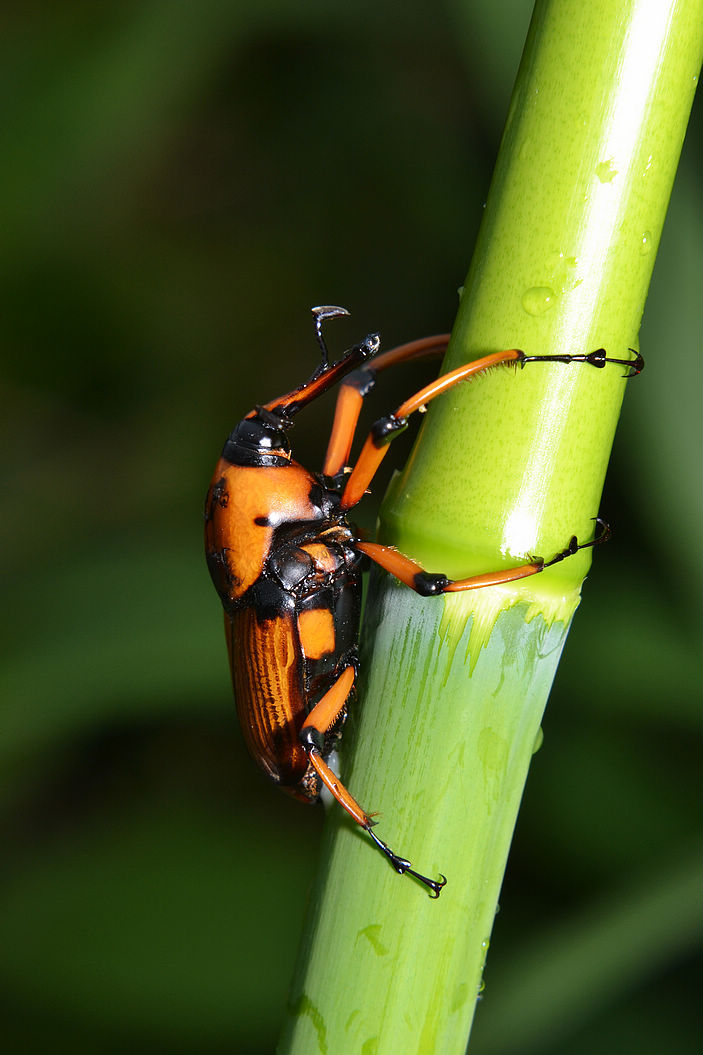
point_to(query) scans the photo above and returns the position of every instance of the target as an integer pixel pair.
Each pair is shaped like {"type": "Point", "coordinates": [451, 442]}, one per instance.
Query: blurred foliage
{"type": "Point", "coordinates": [180, 183]}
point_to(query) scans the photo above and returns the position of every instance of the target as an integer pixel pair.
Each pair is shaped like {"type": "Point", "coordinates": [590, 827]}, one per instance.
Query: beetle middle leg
{"type": "Point", "coordinates": [386, 428]}
{"type": "Point", "coordinates": [312, 735]}
{"type": "Point", "coordinates": [429, 584]}
{"type": "Point", "coordinates": [357, 385]}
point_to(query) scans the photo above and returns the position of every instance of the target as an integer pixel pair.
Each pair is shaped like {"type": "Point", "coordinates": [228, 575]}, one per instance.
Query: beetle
{"type": "Point", "coordinates": [287, 564]}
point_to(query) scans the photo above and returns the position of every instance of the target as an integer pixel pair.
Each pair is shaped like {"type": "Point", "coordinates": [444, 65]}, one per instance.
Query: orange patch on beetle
{"type": "Point", "coordinates": [317, 636]}
{"type": "Point", "coordinates": [244, 506]}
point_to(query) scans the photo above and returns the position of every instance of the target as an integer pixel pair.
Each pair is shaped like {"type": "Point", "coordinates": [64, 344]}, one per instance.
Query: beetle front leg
{"type": "Point", "coordinates": [355, 387]}
{"type": "Point", "coordinates": [312, 737]}
{"type": "Point", "coordinates": [385, 429]}
{"type": "Point", "coordinates": [429, 584]}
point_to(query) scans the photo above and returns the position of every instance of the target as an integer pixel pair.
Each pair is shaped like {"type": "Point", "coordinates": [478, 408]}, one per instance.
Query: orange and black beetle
{"type": "Point", "coordinates": [287, 565]}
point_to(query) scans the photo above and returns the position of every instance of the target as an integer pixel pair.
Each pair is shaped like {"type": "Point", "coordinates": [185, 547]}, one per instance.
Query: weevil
{"type": "Point", "coordinates": [287, 563]}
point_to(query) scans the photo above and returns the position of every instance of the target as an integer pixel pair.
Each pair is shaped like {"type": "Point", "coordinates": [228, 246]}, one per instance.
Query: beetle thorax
{"type": "Point", "coordinates": [260, 440]}
{"type": "Point", "coordinates": [248, 507]}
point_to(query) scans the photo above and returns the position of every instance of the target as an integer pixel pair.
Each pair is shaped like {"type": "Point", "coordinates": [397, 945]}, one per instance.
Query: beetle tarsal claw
{"type": "Point", "coordinates": [403, 866]}
{"type": "Point", "coordinates": [437, 885]}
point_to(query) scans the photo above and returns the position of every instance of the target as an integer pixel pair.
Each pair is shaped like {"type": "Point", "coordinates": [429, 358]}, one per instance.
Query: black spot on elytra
{"type": "Point", "coordinates": [220, 494]}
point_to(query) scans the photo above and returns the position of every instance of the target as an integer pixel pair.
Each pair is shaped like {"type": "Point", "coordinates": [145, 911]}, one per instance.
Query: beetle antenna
{"type": "Point", "coordinates": [320, 313]}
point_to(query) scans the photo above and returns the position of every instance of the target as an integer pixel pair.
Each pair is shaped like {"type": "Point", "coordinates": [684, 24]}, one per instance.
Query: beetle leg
{"type": "Point", "coordinates": [321, 718]}
{"type": "Point", "coordinates": [385, 429]}
{"type": "Point", "coordinates": [597, 358]}
{"type": "Point", "coordinates": [402, 866]}
{"type": "Point", "coordinates": [428, 584]}
{"type": "Point", "coordinates": [355, 387]}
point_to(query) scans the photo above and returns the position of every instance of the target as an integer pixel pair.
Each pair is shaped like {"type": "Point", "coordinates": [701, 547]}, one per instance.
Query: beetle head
{"type": "Point", "coordinates": [259, 439]}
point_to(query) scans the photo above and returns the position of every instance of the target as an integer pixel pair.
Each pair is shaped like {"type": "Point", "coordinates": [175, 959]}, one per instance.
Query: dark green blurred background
{"type": "Point", "coordinates": [180, 182]}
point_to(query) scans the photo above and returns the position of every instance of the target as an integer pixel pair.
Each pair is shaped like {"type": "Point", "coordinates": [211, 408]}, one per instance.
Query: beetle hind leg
{"type": "Point", "coordinates": [429, 584]}
{"type": "Point", "coordinates": [312, 736]}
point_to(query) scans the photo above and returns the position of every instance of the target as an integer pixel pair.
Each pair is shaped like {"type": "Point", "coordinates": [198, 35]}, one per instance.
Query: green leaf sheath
{"type": "Point", "coordinates": [508, 465]}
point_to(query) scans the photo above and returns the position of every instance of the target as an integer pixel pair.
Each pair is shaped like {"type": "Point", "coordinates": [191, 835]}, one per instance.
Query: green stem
{"type": "Point", "coordinates": [508, 465]}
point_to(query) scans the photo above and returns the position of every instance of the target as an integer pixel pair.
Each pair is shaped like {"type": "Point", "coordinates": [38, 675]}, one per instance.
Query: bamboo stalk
{"type": "Point", "coordinates": [454, 688]}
